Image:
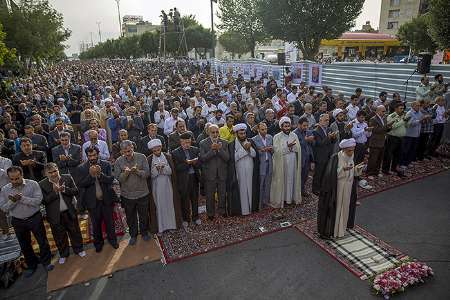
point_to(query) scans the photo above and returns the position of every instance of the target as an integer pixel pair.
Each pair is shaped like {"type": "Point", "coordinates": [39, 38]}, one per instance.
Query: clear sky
{"type": "Point", "coordinates": [81, 16]}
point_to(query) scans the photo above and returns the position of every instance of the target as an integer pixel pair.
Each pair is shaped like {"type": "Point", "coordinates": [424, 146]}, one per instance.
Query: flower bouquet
{"type": "Point", "coordinates": [398, 279]}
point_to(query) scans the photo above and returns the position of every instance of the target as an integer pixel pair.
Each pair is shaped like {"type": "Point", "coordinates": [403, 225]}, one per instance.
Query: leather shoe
{"type": "Point", "coordinates": [210, 218]}
{"type": "Point", "coordinates": [146, 237]}
{"type": "Point", "coordinates": [98, 249]}
{"type": "Point", "coordinates": [49, 267]}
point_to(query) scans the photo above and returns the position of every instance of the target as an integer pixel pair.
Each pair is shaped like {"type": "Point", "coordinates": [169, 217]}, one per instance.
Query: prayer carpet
{"type": "Point", "coordinates": [223, 232]}
{"type": "Point", "coordinates": [360, 252]}
{"type": "Point", "coordinates": [94, 265]}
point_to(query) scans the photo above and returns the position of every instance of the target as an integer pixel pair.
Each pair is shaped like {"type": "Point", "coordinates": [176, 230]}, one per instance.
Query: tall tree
{"type": "Point", "coordinates": [36, 31]}
{"type": "Point", "coordinates": [440, 22]}
{"type": "Point", "coordinates": [5, 53]}
{"type": "Point", "coordinates": [149, 43]}
{"type": "Point", "coordinates": [416, 35]}
{"type": "Point", "coordinates": [307, 22]}
{"type": "Point", "coordinates": [241, 16]}
{"type": "Point", "coordinates": [232, 42]}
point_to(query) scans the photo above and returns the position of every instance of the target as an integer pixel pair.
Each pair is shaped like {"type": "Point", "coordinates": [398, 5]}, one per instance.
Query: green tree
{"type": "Point", "coordinates": [149, 43]}
{"type": "Point", "coordinates": [241, 16]}
{"type": "Point", "coordinates": [232, 42]}
{"type": "Point", "coordinates": [439, 24]}
{"type": "Point", "coordinates": [36, 31]}
{"type": "Point", "coordinates": [5, 53]}
{"type": "Point", "coordinates": [416, 35]}
{"type": "Point", "coordinates": [307, 22]}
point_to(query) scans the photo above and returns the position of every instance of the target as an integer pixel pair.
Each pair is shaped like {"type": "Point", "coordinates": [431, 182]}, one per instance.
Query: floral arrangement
{"type": "Point", "coordinates": [398, 279]}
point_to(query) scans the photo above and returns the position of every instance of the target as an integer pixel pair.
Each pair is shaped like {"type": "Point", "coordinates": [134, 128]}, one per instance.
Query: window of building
{"type": "Point", "coordinates": [395, 2]}
{"type": "Point", "coordinates": [132, 29]}
{"type": "Point", "coordinates": [395, 13]}
{"type": "Point", "coordinates": [392, 25]}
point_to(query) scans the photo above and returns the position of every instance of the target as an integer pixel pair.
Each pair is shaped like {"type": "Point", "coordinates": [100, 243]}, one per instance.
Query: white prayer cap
{"type": "Point", "coordinates": [347, 143]}
{"type": "Point", "coordinates": [60, 100]}
{"type": "Point", "coordinates": [337, 111]}
{"type": "Point", "coordinates": [284, 120]}
{"type": "Point", "coordinates": [240, 126]}
{"type": "Point", "coordinates": [154, 143]}
{"type": "Point", "coordinates": [108, 100]}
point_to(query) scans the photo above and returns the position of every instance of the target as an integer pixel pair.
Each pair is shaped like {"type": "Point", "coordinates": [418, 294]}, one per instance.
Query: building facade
{"type": "Point", "coordinates": [135, 25]}
{"type": "Point", "coordinates": [395, 13]}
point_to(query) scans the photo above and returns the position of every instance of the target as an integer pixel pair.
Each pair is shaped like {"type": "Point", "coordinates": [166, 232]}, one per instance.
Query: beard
{"type": "Point", "coordinates": [286, 131]}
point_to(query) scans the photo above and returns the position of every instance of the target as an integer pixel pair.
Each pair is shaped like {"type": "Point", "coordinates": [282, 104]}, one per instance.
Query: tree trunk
{"type": "Point", "coordinates": [309, 50]}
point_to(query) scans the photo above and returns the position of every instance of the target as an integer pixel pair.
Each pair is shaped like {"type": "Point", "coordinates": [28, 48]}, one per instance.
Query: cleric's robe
{"type": "Point", "coordinates": [243, 180]}
{"type": "Point", "coordinates": [287, 168]}
{"type": "Point", "coordinates": [164, 207]}
{"type": "Point", "coordinates": [337, 199]}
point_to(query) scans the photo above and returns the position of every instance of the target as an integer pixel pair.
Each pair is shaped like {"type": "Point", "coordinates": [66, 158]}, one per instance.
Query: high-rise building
{"type": "Point", "coordinates": [394, 13]}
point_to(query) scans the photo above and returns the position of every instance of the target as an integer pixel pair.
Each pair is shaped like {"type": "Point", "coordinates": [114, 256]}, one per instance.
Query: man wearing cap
{"type": "Point", "coordinates": [243, 170]}
{"type": "Point", "coordinates": [287, 167]}
{"type": "Point", "coordinates": [337, 200]}
{"type": "Point", "coordinates": [342, 128]}
{"type": "Point", "coordinates": [165, 213]}
{"type": "Point", "coordinates": [186, 160]}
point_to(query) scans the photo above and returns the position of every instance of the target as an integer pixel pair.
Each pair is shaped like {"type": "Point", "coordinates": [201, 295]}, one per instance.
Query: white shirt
{"type": "Point", "coordinates": [359, 132]}
{"type": "Point", "coordinates": [208, 111]}
{"type": "Point", "coordinates": [291, 97]}
{"type": "Point", "coordinates": [190, 112]}
{"type": "Point", "coordinates": [440, 118]}
{"type": "Point", "coordinates": [5, 163]}
{"type": "Point", "coordinates": [169, 124]}
{"type": "Point", "coordinates": [276, 103]}
{"type": "Point", "coordinates": [219, 122]}
{"type": "Point", "coordinates": [224, 108]}
{"type": "Point", "coordinates": [199, 102]}
{"type": "Point", "coordinates": [160, 121]}
{"type": "Point", "coordinates": [101, 145]}
{"type": "Point", "coordinates": [352, 111]}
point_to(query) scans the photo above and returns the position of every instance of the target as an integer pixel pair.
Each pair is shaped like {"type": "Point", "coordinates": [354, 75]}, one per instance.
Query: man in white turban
{"type": "Point", "coordinates": [164, 206]}
{"type": "Point", "coordinates": [337, 200]}
{"type": "Point", "coordinates": [242, 183]}
{"type": "Point", "coordinates": [287, 167]}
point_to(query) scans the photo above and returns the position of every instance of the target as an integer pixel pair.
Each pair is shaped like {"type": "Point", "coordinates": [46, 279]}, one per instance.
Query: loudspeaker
{"type": "Point", "coordinates": [281, 58]}
{"type": "Point", "coordinates": [424, 63]}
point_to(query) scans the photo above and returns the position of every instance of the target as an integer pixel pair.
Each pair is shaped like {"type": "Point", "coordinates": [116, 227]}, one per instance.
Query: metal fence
{"type": "Point", "coordinates": [373, 78]}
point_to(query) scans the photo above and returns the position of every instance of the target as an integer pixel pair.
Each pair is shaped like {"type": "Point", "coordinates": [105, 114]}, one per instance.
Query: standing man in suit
{"type": "Point", "coordinates": [324, 140]}
{"type": "Point", "coordinates": [264, 146]}
{"type": "Point", "coordinates": [214, 157]}
{"type": "Point", "coordinates": [306, 138]}
{"type": "Point", "coordinates": [39, 141]}
{"type": "Point", "coordinates": [98, 196]}
{"type": "Point", "coordinates": [55, 135]}
{"type": "Point", "coordinates": [174, 137]}
{"type": "Point", "coordinates": [377, 141]}
{"type": "Point", "coordinates": [31, 161]}
{"type": "Point", "coordinates": [59, 193]}
{"type": "Point", "coordinates": [186, 161]}
{"type": "Point", "coordinates": [152, 133]}
{"type": "Point", "coordinates": [67, 156]}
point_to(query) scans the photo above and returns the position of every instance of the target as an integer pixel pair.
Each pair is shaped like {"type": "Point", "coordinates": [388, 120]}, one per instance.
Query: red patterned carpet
{"type": "Point", "coordinates": [222, 232]}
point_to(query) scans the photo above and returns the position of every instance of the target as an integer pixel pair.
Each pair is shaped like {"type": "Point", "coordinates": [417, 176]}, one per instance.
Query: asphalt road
{"type": "Point", "coordinates": [414, 218]}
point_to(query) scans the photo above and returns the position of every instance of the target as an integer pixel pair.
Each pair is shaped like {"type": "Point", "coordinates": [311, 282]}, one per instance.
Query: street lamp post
{"type": "Point", "coordinates": [120, 21]}
{"type": "Point", "coordinates": [99, 32]}
{"type": "Point", "coordinates": [213, 50]}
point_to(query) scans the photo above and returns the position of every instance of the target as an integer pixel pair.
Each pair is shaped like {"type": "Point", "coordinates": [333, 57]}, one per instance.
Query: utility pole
{"type": "Point", "coordinates": [99, 32]}
{"type": "Point", "coordinates": [213, 46]}
{"type": "Point", "coordinates": [120, 20]}
{"type": "Point", "coordinates": [92, 41]}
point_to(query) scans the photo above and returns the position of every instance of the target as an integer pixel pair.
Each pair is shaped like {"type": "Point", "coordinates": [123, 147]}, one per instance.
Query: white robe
{"type": "Point", "coordinates": [163, 194]}
{"type": "Point", "coordinates": [244, 174]}
{"type": "Point", "coordinates": [344, 192]}
{"type": "Point", "coordinates": [287, 169]}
